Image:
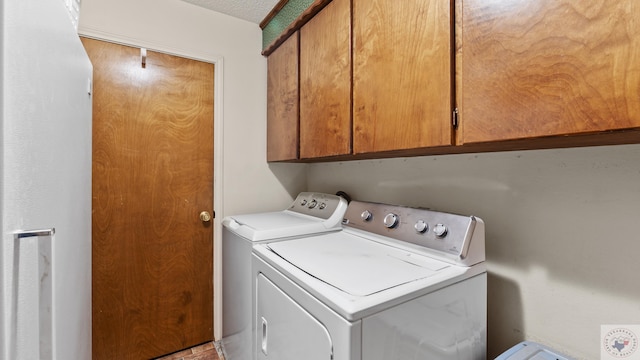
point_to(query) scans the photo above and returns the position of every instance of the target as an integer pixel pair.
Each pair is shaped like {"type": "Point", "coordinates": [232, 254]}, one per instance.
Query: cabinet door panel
{"type": "Point", "coordinates": [402, 74]}
{"type": "Point", "coordinates": [325, 82]}
{"type": "Point", "coordinates": [283, 102]}
{"type": "Point", "coordinates": [548, 67]}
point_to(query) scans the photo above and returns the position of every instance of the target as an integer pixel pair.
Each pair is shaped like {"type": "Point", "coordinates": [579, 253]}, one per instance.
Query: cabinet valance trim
{"type": "Point", "coordinates": [285, 19]}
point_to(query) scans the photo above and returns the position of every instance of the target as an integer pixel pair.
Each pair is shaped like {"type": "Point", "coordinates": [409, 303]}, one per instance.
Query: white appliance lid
{"type": "Point", "coordinates": [354, 265]}
{"type": "Point", "coordinates": [277, 225]}
{"type": "Point", "coordinates": [275, 220]}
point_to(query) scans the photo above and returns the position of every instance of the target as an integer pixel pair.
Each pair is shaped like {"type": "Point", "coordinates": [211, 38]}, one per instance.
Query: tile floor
{"type": "Point", "coordinates": [201, 352]}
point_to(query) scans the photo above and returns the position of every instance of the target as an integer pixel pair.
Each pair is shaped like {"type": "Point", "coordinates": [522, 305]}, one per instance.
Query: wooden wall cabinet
{"type": "Point", "coordinates": [548, 67]}
{"type": "Point", "coordinates": [283, 102]}
{"type": "Point", "coordinates": [400, 78]}
{"type": "Point", "coordinates": [325, 82]}
{"type": "Point", "coordinates": [402, 74]}
{"type": "Point", "coordinates": [380, 78]}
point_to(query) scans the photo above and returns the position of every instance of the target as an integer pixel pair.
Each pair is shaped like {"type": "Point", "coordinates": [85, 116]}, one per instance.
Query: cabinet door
{"type": "Point", "coordinates": [401, 74]}
{"type": "Point", "coordinates": [282, 102]}
{"type": "Point", "coordinates": [325, 82]}
{"type": "Point", "coordinates": [548, 67]}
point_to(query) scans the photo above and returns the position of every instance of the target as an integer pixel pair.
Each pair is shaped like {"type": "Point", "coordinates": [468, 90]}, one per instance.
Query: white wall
{"type": "Point", "coordinates": [46, 179]}
{"type": "Point", "coordinates": [243, 180]}
{"type": "Point", "coordinates": [562, 232]}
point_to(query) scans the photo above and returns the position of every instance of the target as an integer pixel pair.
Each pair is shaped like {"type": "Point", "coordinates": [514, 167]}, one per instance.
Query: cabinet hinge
{"type": "Point", "coordinates": [454, 118]}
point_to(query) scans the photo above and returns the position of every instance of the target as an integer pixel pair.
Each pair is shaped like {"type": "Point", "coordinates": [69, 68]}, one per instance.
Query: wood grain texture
{"type": "Point", "coordinates": [548, 67]}
{"type": "Point", "coordinates": [152, 175]}
{"type": "Point", "coordinates": [283, 102]}
{"type": "Point", "coordinates": [402, 88]}
{"type": "Point", "coordinates": [325, 82]}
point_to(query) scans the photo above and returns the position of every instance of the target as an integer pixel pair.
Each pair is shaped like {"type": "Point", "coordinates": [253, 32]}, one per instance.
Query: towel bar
{"type": "Point", "coordinates": [29, 233]}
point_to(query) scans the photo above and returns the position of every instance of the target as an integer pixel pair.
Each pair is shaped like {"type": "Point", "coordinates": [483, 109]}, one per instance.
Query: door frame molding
{"type": "Point", "coordinates": [218, 155]}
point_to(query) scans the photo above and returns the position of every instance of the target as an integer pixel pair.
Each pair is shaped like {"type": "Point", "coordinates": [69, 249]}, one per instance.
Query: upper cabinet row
{"type": "Point", "coordinates": [365, 78]}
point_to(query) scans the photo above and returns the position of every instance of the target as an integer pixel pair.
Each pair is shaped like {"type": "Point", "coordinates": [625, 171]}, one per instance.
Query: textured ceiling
{"type": "Point", "coordinates": [250, 10]}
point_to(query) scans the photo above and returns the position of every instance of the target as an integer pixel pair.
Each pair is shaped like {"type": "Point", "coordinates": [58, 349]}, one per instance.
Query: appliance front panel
{"type": "Point", "coordinates": [449, 324]}
{"type": "Point", "coordinates": [345, 335]}
{"type": "Point", "coordinates": [286, 331]}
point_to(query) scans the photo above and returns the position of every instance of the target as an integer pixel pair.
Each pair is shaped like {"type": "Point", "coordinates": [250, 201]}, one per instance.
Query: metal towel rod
{"type": "Point", "coordinates": [29, 233]}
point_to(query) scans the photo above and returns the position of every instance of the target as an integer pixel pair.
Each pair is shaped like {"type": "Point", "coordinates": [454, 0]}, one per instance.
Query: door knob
{"type": "Point", "coordinates": [205, 216]}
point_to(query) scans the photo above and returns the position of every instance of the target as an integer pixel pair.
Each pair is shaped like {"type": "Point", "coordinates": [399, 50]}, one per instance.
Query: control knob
{"type": "Point", "coordinates": [366, 215]}
{"type": "Point", "coordinates": [421, 226]}
{"type": "Point", "coordinates": [391, 220]}
{"type": "Point", "coordinates": [313, 204]}
{"type": "Point", "coordinates": [440, 230]}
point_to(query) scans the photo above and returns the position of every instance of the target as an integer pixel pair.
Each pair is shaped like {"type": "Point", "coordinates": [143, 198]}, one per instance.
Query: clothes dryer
{"type": "Point", "coordinates": [310, 213]}
{"type": "Point", "coordinates": [396, 283]}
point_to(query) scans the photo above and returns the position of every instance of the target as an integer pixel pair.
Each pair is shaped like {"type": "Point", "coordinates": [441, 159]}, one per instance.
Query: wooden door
{"type": "Point", "coordinates": [402, 74]}
{"type": "Point", "coordinates": [548, 67]}
{"type": "Point", "coordinates": [152, 176]}
{"type": "Point", "coordinates": [325, 82]}
{"type": "Point", "coordinates": [283, 102]}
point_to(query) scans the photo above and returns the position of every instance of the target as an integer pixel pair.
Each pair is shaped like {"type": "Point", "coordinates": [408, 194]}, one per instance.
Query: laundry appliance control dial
{"type": "Point", "coordinates": [391, 220]}
{"type": "Point", "coordinates": [421, 226]}
{"type": "Point", "coordinates": [440, 230]}
{"type": "Point", "coordinates": [366, 215]}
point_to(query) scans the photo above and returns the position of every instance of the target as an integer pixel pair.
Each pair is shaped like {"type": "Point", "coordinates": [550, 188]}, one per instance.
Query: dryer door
{"type": "Point", "coordinates": [286, 331]}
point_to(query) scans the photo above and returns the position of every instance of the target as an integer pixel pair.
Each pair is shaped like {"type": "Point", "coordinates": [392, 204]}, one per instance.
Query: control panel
{"type": "Point", "coordinates": [315, 204]}
{"type": "Point", "coordinates": [446, 232]}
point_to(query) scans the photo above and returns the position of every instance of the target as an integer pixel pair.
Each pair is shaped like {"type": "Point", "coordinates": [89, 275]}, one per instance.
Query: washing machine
{"type": "Point", "coordinates": [397, 283]}
{"type": "Point", "coordinates": [310, 213]}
